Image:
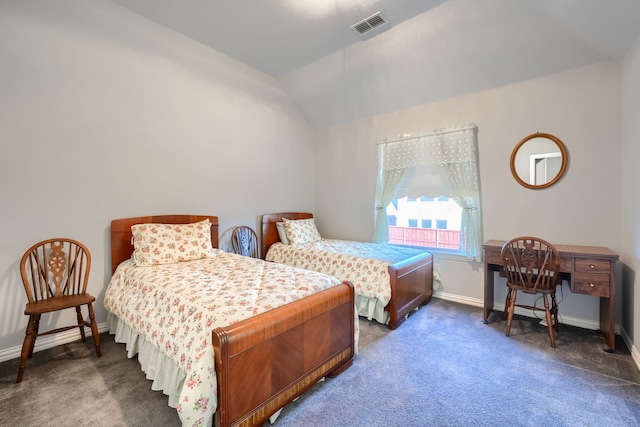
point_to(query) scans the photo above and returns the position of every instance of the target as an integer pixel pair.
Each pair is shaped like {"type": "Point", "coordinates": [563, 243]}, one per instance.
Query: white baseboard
{"type": "Point", "coordinates": [460, 299]}
{"type": "Point", "coordinates": [48, 341]}
{"type": "Point", "coordinates": [634, 351]}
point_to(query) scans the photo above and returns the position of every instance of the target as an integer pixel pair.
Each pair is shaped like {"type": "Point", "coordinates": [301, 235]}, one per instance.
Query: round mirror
{"type": "Point", "coordinates": [539, 161]}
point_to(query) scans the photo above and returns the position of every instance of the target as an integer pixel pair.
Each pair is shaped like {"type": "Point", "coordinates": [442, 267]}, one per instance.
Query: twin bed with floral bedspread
{"type": "Point", "coordinates": [220, 333]}
{"type": "Point", "coordinates": [390, 281]}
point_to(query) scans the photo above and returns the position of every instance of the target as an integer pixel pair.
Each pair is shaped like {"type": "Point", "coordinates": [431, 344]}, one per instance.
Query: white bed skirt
{"type": "Point", "coordinates": [166, 375]}
{"type": "Point", "coordinates": [371, 308]}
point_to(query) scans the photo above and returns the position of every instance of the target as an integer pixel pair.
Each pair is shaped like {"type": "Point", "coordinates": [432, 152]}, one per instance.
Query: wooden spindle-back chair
{"type": "Point", "coordinates": [55, 274]}
{"type": "Point", "coordinates": [532, 265]}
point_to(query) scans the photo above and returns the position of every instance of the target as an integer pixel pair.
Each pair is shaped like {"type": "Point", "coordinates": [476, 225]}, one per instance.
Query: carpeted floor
{"type": "Point", "coordinates": [442, 367]}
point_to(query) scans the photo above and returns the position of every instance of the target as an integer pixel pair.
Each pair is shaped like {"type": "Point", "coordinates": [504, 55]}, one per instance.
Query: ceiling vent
{"type": "Point", "coordinates": [369, 23]}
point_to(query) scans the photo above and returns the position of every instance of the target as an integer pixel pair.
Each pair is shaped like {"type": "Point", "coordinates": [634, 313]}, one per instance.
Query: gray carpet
{"type": "Point", "coordinates": [442, 367]}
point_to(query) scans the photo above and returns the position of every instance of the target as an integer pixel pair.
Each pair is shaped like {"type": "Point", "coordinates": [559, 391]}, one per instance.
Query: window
{"type": "Point", "coordinates": [403, 218]}
{"type": "Point", "coordinates": [443, 165]}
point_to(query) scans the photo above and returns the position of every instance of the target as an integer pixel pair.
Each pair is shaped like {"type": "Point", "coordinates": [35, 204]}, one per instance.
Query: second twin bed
{"type": "Point", "coordinates": [389, 280]}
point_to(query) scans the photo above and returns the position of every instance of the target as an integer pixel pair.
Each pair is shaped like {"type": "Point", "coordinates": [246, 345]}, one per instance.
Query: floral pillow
{"type": "Point", "coordinates": [301, 231]}
{"type": "Point", "coordinates": [282, 232]}
{"type": "Point", "coordinates": [155, 244]}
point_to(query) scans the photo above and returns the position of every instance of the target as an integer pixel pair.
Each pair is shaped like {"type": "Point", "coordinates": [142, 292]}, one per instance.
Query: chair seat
{"type": "Point", "coordinates": [60, 303]}
{"type": "Point", "coordinates": [531, 291]}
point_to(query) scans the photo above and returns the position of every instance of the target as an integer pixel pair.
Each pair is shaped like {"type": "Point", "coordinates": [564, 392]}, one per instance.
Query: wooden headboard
{"type": "Point", "coordinates": [122, 247]}
{"type": "Point", "coordinates": [269, 230]}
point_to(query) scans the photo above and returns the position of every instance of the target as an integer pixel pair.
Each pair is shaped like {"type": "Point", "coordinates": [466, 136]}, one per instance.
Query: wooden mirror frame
{"type": "Point", "coordinates": [563, 166]}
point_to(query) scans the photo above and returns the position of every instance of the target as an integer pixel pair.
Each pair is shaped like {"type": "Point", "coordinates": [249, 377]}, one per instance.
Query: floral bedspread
{"type": "Point", "coordinates": [366, 265]}
{"type": "Point", "coordinates": [176, 306]}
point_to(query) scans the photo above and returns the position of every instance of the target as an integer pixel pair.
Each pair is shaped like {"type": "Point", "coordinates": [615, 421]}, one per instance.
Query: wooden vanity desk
{"type": "Point", "coordinates": [589, 270]}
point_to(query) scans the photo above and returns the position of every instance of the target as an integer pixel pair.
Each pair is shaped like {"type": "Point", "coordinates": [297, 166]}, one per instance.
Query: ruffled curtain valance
{"type": "Point", "coordinates": [455, 145]}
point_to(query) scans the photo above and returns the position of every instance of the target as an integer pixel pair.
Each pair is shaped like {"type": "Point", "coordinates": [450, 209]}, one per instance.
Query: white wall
{"type": "Point", "coordinates": [630, 206]}
{"type": "Point", "coordinates": [105, 115]}
{"type": "Point", "coordinates": [581, 107]}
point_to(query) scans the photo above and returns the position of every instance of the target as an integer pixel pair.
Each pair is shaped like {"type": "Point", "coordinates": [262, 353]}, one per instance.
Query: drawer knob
{"type": "Point", "coordinates": [591, 285]}
{"type": "Point", "coordinates": [591, 266]}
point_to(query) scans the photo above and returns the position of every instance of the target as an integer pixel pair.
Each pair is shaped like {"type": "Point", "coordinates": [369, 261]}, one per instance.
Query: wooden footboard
{"type": "Point", "coordinates": [411, 286]}
{"type": "Point", "coordinates": [266, 361]}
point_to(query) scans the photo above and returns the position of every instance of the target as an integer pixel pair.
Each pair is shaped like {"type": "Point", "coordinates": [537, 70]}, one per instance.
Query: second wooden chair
{"type": "Point", "coordinates": [244, 241]}
{"type": "Point", "coordinates": [532, 265]}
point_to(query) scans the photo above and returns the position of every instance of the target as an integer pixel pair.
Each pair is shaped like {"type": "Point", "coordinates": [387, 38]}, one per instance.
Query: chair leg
{"type": "Point", "coordinates": [506, 304]}
{"type": "Point", "coordinates": [35, 333]}
{"type": "Point", "coordinates": [512, 306]}
{"type": "Point", "coordinates": [94, 330]}
{"type": "Point", "coordinates": [81, 323]}
{"type": "Point", "coordinates": [550, 326]}
{"type": "Point", "coordinates": [554, 311]}
{"type": "Point", "coordinates": [27, 345]}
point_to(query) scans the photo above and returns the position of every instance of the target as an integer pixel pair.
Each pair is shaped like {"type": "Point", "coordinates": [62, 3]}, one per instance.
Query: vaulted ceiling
{"type": "Point", "coordinates": [427, 50]}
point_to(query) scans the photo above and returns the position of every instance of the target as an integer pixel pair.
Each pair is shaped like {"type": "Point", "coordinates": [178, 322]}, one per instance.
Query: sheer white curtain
{"type": "Point", "coordinates": [449, 154]}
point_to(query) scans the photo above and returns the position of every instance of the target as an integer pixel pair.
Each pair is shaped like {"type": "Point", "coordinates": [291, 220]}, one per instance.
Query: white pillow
{"type": "Point", "coordinates": [282, 232]}
{"type": "Point", "coordinates": [300, 231]}
{"type": "Point", "coordinates": [155, 244]}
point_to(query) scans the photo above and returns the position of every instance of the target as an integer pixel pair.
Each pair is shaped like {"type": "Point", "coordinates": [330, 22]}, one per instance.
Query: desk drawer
{"type": "Point", "coordinates": [592, 265]}
{"type": "Point", "coordinates": [596, 284]}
